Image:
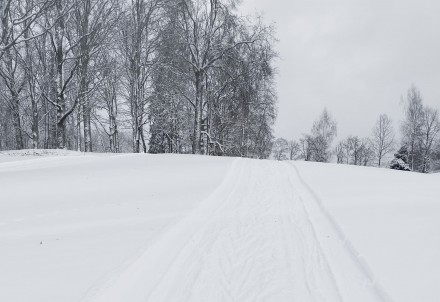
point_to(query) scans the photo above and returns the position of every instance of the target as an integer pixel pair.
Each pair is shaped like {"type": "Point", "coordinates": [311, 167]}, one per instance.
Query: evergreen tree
{"type": "Point", "coordinates": [400, 161]}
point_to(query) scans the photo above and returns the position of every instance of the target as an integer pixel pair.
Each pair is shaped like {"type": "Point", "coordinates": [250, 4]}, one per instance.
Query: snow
{"type": "Point", "coordinates": [391, 217]}
{"type": "Point", "coordinates": [68, 223]}
{"type": "Point", "coordinates": [98, 227]}
{"type": "Point", "coordinates": [16, 155]}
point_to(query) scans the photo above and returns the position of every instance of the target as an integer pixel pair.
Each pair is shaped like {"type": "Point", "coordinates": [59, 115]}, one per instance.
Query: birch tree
{"type": "Point", "coordinates": [411, 127]}
{"type": "Point", "coordinates": [183, 76]}
{"type": "Point", "coordinates": [430, 129]}
{"type": "Point", "coordinates": [208, 33]}
{"type": "Point", "coordinates": [280, 149]}
{"type": "Point", "coordinates": [383, 138]}
{"type": "Point", "coordinates": [324, 131]}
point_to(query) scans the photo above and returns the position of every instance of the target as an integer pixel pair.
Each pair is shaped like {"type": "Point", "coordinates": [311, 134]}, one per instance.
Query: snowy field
{"type": "Point", "coordinates": [107, 228]}
{"type": "Point", "coordinates": [393, 220]}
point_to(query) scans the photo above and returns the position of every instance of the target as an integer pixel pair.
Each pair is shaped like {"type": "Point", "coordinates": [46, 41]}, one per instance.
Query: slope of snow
{"type": "Point", "coordinates": [68, 223]}
{"type": "Point", "coordinates": [113, 228]}
{"type": "Point", "coordinates": [259, 237]}
{"type": "Point", "coordinates": [393, 220]}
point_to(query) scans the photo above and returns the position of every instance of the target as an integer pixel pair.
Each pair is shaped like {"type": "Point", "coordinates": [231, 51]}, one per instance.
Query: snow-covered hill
{"type": "Point", "coordinates": [187, 228]}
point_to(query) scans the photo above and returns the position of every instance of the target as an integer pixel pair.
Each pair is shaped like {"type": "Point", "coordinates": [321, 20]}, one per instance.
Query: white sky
{"type": "Point", "coordinates": [355, 57]}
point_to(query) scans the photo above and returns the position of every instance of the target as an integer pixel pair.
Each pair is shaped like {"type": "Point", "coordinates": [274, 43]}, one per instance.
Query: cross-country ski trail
{"type": "Point", "coordinates": [263, 235]}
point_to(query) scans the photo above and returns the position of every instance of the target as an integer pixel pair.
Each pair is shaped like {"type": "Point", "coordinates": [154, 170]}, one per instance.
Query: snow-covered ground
{"type": "Point", "coordinates": [69, 223]}
{"type": "Point", "coordinates": [107, 228]}
{"type": "Point", "coordinates": [17, 155]}
{"type": "Point", "coordinates": [393, 220]}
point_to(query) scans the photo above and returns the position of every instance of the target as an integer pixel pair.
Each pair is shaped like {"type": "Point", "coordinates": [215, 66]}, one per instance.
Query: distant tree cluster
{"type": "Point", "coordinates": [285, 150]}
{"type": "Point", "coordinates": [159, 76]}
{"type": "Point", "coordinates": [420, 145]}
{"type": "Point", "coordinates": [355, 151]}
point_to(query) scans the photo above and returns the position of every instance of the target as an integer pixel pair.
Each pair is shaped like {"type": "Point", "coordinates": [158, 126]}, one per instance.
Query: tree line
{"type": "Point", "coordinates": [158, 76]}
{"type": "Point", "coordinates": [419, 144]}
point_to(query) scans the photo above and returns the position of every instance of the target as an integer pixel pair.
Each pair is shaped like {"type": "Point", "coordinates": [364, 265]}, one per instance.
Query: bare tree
{"type": "Point", "coordinates": [367, 152]}
{"type": "Point", "coordinates": [354, 151]}
{"type": "Point", "coordinates": [236, 95]}
{"type": "Point", "coordinates": [181, 75]}
{"type": "Point", "coordinates": [340, 152]}
{"type": "Point", "coordinates": [20, 24]}
{"type": "Point", "coordinates": [355, 146]}
{"type": "Point", "coordinates": [62, 55]}
{"type": "Point", "coordinates": [324, 131]}
{"type": "Point", "coordinates": [411, 127]}
{"type": "Point", "coordinates": [430, 129]}
{"type": "Point", "coordinates": [306, 147]}
{"type": "Point", "coordinates": [94, 21]}
{"type": "Point", "coordinates": [140, 30]}
{"type": "Point", "coordinates": [207, 28]}
{"type": "Point", "coordinates": [14, 79]}
{"type": "Point", "coordinates": [108, 94]}
{"type": "Point", "coordinates": [383, 138]}
{"type": "Point", "coordinates": [294, 149]}
{"type": "Point", "coordinates": [280, 149]}
{"type": "Point", "coordinates": [16, 19]}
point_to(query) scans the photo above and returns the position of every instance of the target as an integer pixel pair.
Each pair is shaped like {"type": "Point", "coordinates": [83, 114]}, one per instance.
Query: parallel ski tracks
{"type": "Point", "coordinates": [266, 238]}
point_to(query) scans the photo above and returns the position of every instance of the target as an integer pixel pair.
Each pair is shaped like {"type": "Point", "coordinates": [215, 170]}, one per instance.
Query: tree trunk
{"type": "Point", "coordinates": [61, 135]}
{"type": "Point", "coordinates": [87, 129]}
{"type": "Point", "coordinates": [16, 121]}
{"type": "Point", "coordinates": [60, 98]}
{"type": "Point", "coordinates": [78, 130]}
{"type": "Point", "coordinates": [198, 114]}
{"type": "Point", "coordinates": [144, 145]}
{"type": "Point", "coordinates": [84, 51]}
{"type": "Point", "coordinates": [46, 125]}
{"type": "Point", "coordinates": [35, 130]}
{"type": "Point", "coordinates": [113, 111]}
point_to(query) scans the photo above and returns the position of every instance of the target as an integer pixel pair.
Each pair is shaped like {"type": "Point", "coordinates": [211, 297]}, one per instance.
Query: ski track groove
{"type": "Point", "coordinates": [327, 226]}
{"type": "Point", "coordinates": [311, 241]}
{"type": "Point", "coordinates": [267, 239]}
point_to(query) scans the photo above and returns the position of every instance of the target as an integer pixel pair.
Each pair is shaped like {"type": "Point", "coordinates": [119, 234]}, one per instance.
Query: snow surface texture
{"type": "Point", "coordinates": [68, 224]}
{"type": "Point", "coordinates": [391, 217]}
{"type": "Point", "coordinates": [187, 228]}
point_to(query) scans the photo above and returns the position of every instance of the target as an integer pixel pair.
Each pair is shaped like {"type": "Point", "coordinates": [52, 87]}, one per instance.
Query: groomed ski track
{"type": "Point", "coordinates": [263, 235]}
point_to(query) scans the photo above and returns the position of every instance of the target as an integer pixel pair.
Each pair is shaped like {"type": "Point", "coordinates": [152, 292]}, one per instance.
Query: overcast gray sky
{"type": "Point", "coordinates": [355, 57]}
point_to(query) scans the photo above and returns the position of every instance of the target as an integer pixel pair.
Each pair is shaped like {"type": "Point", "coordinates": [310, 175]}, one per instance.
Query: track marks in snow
{"type": "Point", "coordinates": [240, 254]}
{"type": "Point", "coordinates": [260, 237]}
{"type": "Point", "coordinates": [350, 270]}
